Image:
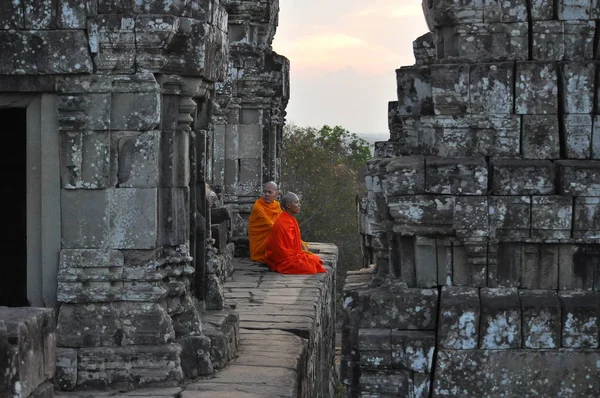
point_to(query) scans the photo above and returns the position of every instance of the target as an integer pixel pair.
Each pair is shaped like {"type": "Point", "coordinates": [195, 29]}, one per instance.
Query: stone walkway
{"type": "Point", "coordinates": [275, 312]}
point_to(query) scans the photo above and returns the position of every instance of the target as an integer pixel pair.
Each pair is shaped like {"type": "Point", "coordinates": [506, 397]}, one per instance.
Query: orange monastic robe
{"type": "Point", "coordinates": [261, 221]}
{"type": "Point", "coordinates": [284, 252]}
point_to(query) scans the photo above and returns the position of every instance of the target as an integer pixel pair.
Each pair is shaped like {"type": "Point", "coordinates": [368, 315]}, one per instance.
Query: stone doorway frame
{"type": "Point", "coordinates": [43, 193]}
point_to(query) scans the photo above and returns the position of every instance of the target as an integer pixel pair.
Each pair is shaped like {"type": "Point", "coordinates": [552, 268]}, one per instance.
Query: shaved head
{"type": "Point", "coordinates": [271, 185]}
{"type": "Point", "coordinates": [288, 198]}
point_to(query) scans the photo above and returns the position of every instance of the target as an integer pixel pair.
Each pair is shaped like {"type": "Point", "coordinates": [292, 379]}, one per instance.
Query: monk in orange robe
{"type": "Point", "coordinates": [264, 213]}
{"type": "Point", "coordinates": [284, 252]}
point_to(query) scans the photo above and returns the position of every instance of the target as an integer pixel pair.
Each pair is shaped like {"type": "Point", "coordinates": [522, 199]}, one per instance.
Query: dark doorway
{"type": "Point", "coordinates": [13, 169]}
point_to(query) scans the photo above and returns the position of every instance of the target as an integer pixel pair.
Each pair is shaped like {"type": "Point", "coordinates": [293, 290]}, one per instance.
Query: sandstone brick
{"type": "Point", "coordinates": [458, 327]}
{"type": "Point", "coordinates": [450, 89]}
{"type": "Point", "coordinates": [536, 88]}
{"type": "Point", "coordinates": [456, 176]}
{"type": "Point", "coordinates": [522, 177]}
{"type": "Point", "coordinates": [540, 139]}
{"type": "Point", "coordinates": [580, 315]}
{"type": "Point", "coordinates": [579, 40]}
{"type": "Point", "coordinates": [548, 32]}
{"type": "Point", "coordinates": [541, 319]}
{"type": "Point", "coordinates": [500, 319]}
{"type": "Point", "coordinates": [404, 176]}
{"type": "Point", "coordinates": [578, 178]}
{"type": "Point", "coordinates": [491, 88]}
{"type": "Point", "coordinates": [577, 86]}
{"type": "Point", "coordinates": [510, 216]}
{"type": "Point", "coordinates": [414, 90]}
{"type": "Point", "coordinates": [551, 216]}
{"type": "Point", "coordinates": [578, 136]}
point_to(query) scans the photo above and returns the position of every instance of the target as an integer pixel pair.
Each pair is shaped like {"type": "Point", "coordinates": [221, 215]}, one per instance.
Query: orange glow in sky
{"type": "Point", "coordinates": [343, 56]}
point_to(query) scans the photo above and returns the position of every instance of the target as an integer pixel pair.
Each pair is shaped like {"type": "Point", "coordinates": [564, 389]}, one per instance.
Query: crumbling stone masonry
{"type": "Point", "coordinates": [251, 113]}
{"type": "Point", "coordinates": [481, 218]}
{"type": "Point", "coordinates": [127, 232]}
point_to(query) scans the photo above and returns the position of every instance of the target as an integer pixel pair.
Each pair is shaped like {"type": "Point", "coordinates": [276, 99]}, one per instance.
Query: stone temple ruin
{"type": "Point", "coordinates": [138, 131]}
{"type": "Point", "coordinates": [481, 217]}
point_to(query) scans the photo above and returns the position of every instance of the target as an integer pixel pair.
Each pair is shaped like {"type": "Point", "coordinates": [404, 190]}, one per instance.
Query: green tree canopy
{"type": "Point", "coordinates": [325, 168]}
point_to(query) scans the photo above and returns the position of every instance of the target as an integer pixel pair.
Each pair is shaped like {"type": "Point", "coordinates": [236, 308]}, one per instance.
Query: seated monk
{"type": "Point", "coordinates": [264, 213]}
{"type": "Point", "coordinates": [284, 253]}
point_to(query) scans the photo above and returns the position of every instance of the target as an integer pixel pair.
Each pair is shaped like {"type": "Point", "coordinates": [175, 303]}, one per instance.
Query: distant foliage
{"type": "Point", "coordinates": [325, 167]}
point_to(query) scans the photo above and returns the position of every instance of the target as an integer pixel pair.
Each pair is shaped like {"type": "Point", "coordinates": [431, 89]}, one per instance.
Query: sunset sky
{"type": "Point", "coordinates": [343, 55]}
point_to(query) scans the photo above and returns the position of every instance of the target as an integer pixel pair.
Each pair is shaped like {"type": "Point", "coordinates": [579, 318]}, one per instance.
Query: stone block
{"type": "Point", "coordinates": [453, 12]}
{"type": "Point", "coordinates": [573, 9]}
{"type": "Point", "coordinates": [577, 136]}
{"type": "Point", "coordinates": [579, 40]}
{"type": "Point", "coordinates": [578, 177]}
{"type": "Point", "coordinates": [444, 262]}
{"type": "Point", "coordinates": [586, 217]}
{"type": "Point", "coordinates": [83, 113]}
{"type": "Point", "coordinates": [548, 32]}
{"type": "Point", "coordinates": [413, 350]}
{"type": "Point", "coordinates": [542, 9]}
{"type": "Point", "coordinates": [476, 373]}
{"type": "Point", "coordinates": [135, 111]}
{"type": "Point", "coordinates": [112, 43]}
{"type": "Point", "coordinates": [540, 137]}
{"type": "Point", "coordinates": [505, 11]}
{"type": "Point", "coordinates": [66, 368]}
{"type": "Point", "coordinates": [536, 88]}
{"type": "Point", "coordinates": [456, 176]}
{"type": "Point", "coordinates": [251, 145]}
{"type": "Point", "coordinates": [154, 35]}
{"type": "Point", "coordinates": [580, 315]}
{"type": "Point", "coordinates": [522, 177]}
{"type": "Point", "coordinates": [450, 89]}
{"type": "Point", "coordinates": [424, 49]}
{"type": "Point", "coordinates": [551, 217]}
{"type": "Point", "coordinates": [425, 262]}
{"type": "Point", "coordinates": [471, 216]}
{"type": "Point", "coordinates": [72, 15]}
{"type": "Point", "coordinates": [419, 214]}
{"type": "Point", "coordinates": [414, 90]}
{"type": "Point", "coordinates": [578, 265]}
{"type": "Point", "coordinates": [173, 217]}
{"type": "Point", "coordinates": [78, 326]}
{"type": "Point", "coordinates": [541, 319]}
{"type": "Point", "coordinates": [195, 356]}
{"type": "Point", "coordinates": [133, 216]}
{"type": "Point", "coordinates": [383, 383]}
{"type": "Point", "coordinates": [539, 266]}
{"type": "Point", "coordinates": [491, 88]}
{"type": "Point", "coordinates": [596, 138]}
{"type": "Point", "coordinates": [405, 309]}
{"type": "Point", "coordinates": [175, 159]}
{"type": "Point", "coordinates": [129, 366]}
{"type": "Point", "coordinates": [375, 348]}
{"type": "Point", "coordinates": [11, 15]}
{"type": "Point", "coordinates": [576, 85]}
{"type": "Point", "coordinates": [84, 218]}
{"type": "Point", "coordinates": [461, 135]}
{"type": "Point", "coordinates": [63, 52]}
{"type": "Point", "coordinates": [136, 158]}
{"type": "Point", "coordinates": [85, 160]}
{"type": "Point", "coordinates": [405, 175]}
{"type": "Point", "coordinates": [250, 176]}
{"type": "Point", "coordinates": [28, 348]}
{"type": "Point", "coordinates": [458, 327]}
{"type": "Point", "coordinates": [509, 216]}
{"type": "Point", "coordinates": [80, 292]}
{"type": "Point", "coordinates": [38, 15]}
{"type": "Point", "coordinates": [407, 260]}
{"type": "Point", "coordinates": [500, 319]}
{"type": "Point", "coordinates": [505, 264]}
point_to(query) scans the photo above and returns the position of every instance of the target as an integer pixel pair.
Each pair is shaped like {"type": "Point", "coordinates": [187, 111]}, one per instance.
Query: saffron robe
{"type": "Point", "coordinates": [261, 221]}
{"type": "Point", "coordinates": [284, 252]}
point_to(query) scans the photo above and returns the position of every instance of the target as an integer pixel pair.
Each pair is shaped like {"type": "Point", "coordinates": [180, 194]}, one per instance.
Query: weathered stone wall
{"type": "Point", "coordinates": [27, 352]}
{"type": "Point", "coordinates": [251, 114]}
{"type": "Point", "coordinates": [134, 84]}
{"type": "Point", "coordinates": [481, 215]}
